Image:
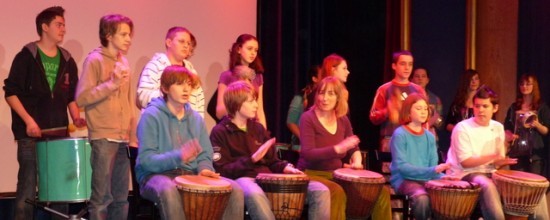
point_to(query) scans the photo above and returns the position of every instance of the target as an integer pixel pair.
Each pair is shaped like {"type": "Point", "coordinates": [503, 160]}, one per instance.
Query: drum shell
{"type": "Point", "coordinates": [64, 170]}
{"type": "Point", "coordinates": [202, 201]}
{"type": "Point", "coordinates": [450, 202]}
{"type": "Point", "coordinates": [362, 189]}
{"type": "Point", "coordinates": [286, 192]}
{"type": "Point", "coordinates": [520, 192]}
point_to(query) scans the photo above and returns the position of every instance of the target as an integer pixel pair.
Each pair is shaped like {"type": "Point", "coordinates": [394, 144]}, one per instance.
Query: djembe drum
{"type": "Point", "coordinates": [362, 189]}
{"type": "Point", "coordinates": [521, 192]}
{"type": "Point", "coordinates": [452, 199]}
{"type": "Point", "coordinates": [204, 198]}
{"type": "Point", "coordinates": [286, 192]}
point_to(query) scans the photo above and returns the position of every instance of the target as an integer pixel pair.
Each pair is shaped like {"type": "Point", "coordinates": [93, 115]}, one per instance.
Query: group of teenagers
{"type": "Point", "coordinates": [172, 138]}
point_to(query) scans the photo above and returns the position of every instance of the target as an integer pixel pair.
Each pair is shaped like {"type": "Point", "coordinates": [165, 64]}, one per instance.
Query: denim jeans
{"type": "Point", "coordinates": [27, 182]}
{"type": "Point", "coordinates": [489, 198]}
{"type": "Point", "coordinates": [420, 201]}
{"type": "Point", "coordinates": [161, 189]}
{"type": "Point", "coordinates": [110, 177]}
{"type": "Point", "coordinates": [491, 206]}
{"type": "Point", "coordinates": [259, 206]}
{"type": "Point", "coordinates": [26, 179]}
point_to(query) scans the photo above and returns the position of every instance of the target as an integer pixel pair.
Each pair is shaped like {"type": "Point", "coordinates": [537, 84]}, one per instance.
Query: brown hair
{"type": "Point", "coordinates": [236, 94]}
{"type": "Point", "coordinates": [177, 75]}
{"type": "Point", "coordinates": [485, 92]}
{"type": "Point", "coordinates": [46, 16]}
{"type": "Point", "coordinates": [407, 105]}
{"type": "Point", "coordinates": [463, 86]}
{"type": "Point", "coordinates": [339, 88]}
{"type": "Point", "coordinates": [397, 54]}
{"type": "Point", "coordinates": [536, 91]}
{"type": "Point", "coordinates": [235, 57]}
{"type": "Point", "coordinates": [108, 26]}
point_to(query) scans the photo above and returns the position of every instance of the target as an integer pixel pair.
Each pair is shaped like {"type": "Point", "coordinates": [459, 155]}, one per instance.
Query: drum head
{"type": "Point", "coordinates": [519, 175]}
{"type": "Point", "coordinates": [451, 184]}
{"type": "Point", "coordinates": [201, 182]}
{"type": "Point", "coordinates": [357, 175]}
{"type": "Point", "coordinates": [280, 176]}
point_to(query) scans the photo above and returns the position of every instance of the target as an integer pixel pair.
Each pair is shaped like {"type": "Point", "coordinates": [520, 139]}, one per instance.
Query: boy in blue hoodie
{"type": "Point", "coordinates": [173, 142]}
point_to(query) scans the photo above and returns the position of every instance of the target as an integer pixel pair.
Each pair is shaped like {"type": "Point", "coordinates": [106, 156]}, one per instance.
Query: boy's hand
{"type": "Point", "coordinates": [260, 153]}
{"type": "Point", "coordinates": [190, 151]}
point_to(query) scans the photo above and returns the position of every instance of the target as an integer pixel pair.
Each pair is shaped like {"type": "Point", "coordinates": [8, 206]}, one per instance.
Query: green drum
{"type": "Point", "coordinates": [64, 171]}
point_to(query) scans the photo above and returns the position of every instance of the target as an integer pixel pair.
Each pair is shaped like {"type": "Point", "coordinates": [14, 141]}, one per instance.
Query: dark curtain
{"type": "Point", "coordinates": [289, 44]}
{"type": "Point", "coordinates": [297, 34]}
{"type": "Point", "coordinates": [393, 35]}
{"type": "Point", "coordinates": [534, 49]}
{"type": "Point", "coordinates": [534, 42]}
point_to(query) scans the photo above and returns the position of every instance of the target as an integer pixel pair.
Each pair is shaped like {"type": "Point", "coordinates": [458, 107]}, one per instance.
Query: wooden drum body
{"type": "Point", "coordinates": [521, 192]}
{"type": "Point", "coordinates": [286, 192]}
{"type": "Point", "coordinates": [362, 189]}
{"type": "Point", "coordinates": [204, 198]}
{"type": "Point", "coordinates": [452, 199]}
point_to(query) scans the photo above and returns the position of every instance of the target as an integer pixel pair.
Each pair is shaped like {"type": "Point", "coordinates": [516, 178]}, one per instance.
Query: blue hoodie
{"type": "Point", "coordinates": [161, 136]}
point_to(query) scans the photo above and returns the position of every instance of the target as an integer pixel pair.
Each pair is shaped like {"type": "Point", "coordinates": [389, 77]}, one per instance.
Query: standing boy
{"type": "Point", "coordinates": [39, 88]}
{"type": "Point", "coordinates": [179, 43]}
{"type": "Point", "coordinates": [389, 97]}
{"type": "Point", "coordinates": [108, 100]}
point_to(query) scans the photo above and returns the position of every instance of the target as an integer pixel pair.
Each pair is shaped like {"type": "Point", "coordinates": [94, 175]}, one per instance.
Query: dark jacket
{"type": "Point", "coordinates": [233, 148]}
{"type": "Point", "coordinates": [27, 81]}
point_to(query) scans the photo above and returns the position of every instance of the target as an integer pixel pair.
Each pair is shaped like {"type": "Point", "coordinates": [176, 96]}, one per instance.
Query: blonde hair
{"type": "Point", "coordinates": [341, 92]}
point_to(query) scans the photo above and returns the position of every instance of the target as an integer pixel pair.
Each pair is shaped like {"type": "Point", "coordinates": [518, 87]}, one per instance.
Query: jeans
{"type": "Point", "coordinates": [491, 206]}
{"type": "Point", "coordinates": [27, 182]}
{"type": "Point", "coordinates": [26, 179]}
{"type": "Point", "coordinates": [259, 206]}
{"type": "Point", "coordinates": [161, 189]}
{"type": "Point", "coordinates": [420, 201]}
{"type": "Point", "coordinates": [110, 178]}
{"type": "Point", "coordinates": [489, 198]}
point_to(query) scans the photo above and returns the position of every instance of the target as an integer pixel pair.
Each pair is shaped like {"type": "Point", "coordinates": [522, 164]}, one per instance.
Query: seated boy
{"type": "Point", "coordinates": [477, 150]}
{"type": "Point", "coordinates": [174, 141]}
{"type": "Point", "coordinates": [242, 149]}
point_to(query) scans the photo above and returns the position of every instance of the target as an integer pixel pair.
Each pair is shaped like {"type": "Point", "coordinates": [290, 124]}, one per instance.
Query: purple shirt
{"type": "Point", "coordinates": [317, 152]}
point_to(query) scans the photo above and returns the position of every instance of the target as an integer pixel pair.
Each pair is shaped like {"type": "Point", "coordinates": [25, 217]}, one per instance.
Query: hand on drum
{"type": "Point", "coordinates": [209, 173]}
{"type": "Point", "coordinates": [353, 166]}
{"type": "Point", "coordinates": [292, 170]}
{"type": "Point", "coordinates": [190, 151]}
{"type": "Point", "coordinates": [347, 144]}
{"type": "Point", "coordinates": [442, 167]}
{"type": "Point", "coordinates": [355, 162]}
{"type": "Point", "coordinates": [450, 177]}
{"type": "Point", "coordinates": [505, 161]}
{"type": "Point", "coordinates": [260, 153]}
{"type": "Point", "coordinates": [33, 130]}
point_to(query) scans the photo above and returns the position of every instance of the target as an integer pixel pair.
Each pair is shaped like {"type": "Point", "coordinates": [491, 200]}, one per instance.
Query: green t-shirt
{"type": "Point", "coordinates": [51, 66]}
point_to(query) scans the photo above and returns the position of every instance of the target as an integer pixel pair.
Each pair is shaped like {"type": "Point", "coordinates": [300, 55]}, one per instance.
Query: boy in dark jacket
{"type": "Point", "coordinates": [39, 88]}
{"type": "Point", "coordinates": [242, 149]}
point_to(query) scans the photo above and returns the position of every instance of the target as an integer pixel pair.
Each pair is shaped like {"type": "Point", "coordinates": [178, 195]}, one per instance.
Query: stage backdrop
{"type": "Point", "coordinates": [215, 23]}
